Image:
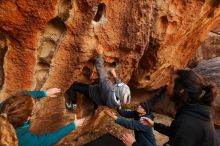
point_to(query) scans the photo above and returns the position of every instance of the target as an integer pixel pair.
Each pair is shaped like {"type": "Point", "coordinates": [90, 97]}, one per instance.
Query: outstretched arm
{"type": "Point", "coordinates": [157, 126]}
{"type": "Point", "coordinates": [100, 69]}
{"type": "Point", "coordinates": [52, 138]}
{"type": "Point", "coordinates": [34, 94]}
{"type": "Point", "coordinates": [162, 128]}
{"type": "Point", "coordinates": [39, 94]}
{"type": "Point", "coordinates": [106, 87]}
{"type": "Point", "coordinates": [49, 138]}
{"type": "Point", "coordinates": [117, 80]}
{"type": "Point", "coordinates": [132, 124]}
{"type": "Point", "coordinates": [127, 114]}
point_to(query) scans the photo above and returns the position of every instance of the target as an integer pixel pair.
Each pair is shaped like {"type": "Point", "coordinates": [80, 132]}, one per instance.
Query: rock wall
{"type": "Point", "coordinates": [53, 43]}
{"type": "Point", "coordinates": [210, 48]}
{"type": "Point", "coordinates": [210, 69]}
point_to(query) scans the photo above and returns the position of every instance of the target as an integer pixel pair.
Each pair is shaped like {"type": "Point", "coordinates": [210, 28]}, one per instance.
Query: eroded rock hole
{"type": "Point", "coordinates": [41, 74]}
{"type": "Point", "coordinates": [124, 48]}
{"type": "Point", "coordinates": [100, 12]}
{"type": "Point", "coordinates": [147, 77]}
{"type": "Point", "coordinates": [88, 70]}
{"type": "Point", "coordinates": [163, 24]}
{"type": "Point", "coordinates": [85, 106]}
{"type": "Point", "coordinates": [211, 14]}
{"type": "Point", "coordinates": [214, 3]}
{"type": "Point", "coordinates": [3, 50]}
{"type": "Point", "coordinates": [114, 64]}
{"type": "Point", "coordinates": [51, 37]}
{"type": "Point", "coordinates": [46, 51]}
{"type": "Point", "coordinates": [150, 55]}
{"type": "Point", "coordinates": [55, 29]}
{"type": "Point", "coordinates": [63, 11]}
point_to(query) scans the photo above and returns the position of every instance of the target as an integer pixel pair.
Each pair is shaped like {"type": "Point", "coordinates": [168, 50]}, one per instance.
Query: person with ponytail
{"type": "Point", "coordinates": [192, 124]}
{"type": "Point", "coordinates": [16, 111]}
{"type": "Point", "coordinates": [7, 133]}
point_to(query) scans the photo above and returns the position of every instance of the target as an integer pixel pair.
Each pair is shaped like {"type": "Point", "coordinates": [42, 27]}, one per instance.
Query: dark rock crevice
{"type": "Point", "coordinates": [3, 50]}
{"type": "Point", "coordinates": [147, 62]}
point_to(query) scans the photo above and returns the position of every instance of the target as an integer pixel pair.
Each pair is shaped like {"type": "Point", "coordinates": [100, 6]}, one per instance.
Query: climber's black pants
{"type": "Point", "coordinates": [78, 87]}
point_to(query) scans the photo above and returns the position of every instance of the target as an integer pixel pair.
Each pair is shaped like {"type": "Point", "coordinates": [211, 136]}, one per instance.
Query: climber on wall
{"type": "Point", "coordinates": [143, 134]}
{"type": "Point", "coordinates": [104, 93]}
{"type": "Point", "coordinates": [16, 111]}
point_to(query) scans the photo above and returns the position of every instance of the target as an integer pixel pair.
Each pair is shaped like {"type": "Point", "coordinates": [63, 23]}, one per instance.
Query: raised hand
{"type": "Point", "coordinates": [52, 92]}
{"type": "Point", "coordinates": [147, 121]}
{"type": "Point", "coordinates": [110, 114]}
{"type": "Point", "coordinates": [128, 139]}
{"type": "Point", "coordinates": [79, 122]}
{"type": "Point", "coordinates": [99, 49]}
{"type": "Point", "coordinates": [112, 71]}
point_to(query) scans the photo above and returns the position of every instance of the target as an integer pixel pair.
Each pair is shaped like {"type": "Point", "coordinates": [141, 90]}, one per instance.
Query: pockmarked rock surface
{"type": "Point", "coordinates": [53, 43]}
{"type": "Point", "coordinates": [209, 70]}
{"type": "Point", "coordinates": [210, 48]}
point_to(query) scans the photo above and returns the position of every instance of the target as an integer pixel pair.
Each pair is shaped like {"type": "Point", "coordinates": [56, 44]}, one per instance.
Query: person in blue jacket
{"type": "Point", "coordinates": [143, 134]}
{"type": "Point", "coordinates": [17, 111]}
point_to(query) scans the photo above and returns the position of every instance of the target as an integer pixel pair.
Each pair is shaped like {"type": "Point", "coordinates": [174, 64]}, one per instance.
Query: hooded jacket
{"type": "Point", "coordinates": [192, 126]}
{"type": "Point", "coordinates": [103, 93]}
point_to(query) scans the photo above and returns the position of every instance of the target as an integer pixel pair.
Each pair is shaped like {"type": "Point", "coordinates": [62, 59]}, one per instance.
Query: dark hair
{"type": "Point", "coordinates": [147, 106]}
{"type": "Point", "coordinates": [189, 87]}
{"type": "Point", "coordinates": [158, 94]}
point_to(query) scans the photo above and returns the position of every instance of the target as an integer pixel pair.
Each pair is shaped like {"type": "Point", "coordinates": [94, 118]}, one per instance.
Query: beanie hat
{"type": "Point", "coordinates": [122, 89]}
{"type": "Point", "coordinates": [146, 105]}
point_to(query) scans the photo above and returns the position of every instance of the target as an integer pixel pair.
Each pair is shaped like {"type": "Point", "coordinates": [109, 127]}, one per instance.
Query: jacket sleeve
{"type": "Point", "coordinates": [127, 114]}
{"type": "Point", "coordinates": [52, 138]}
{"type": "Point", "coordinates": [184, 136]}
{"type": "Point", "coordinates": [185, 133]}
{"type": "Point", "coordinates": [34, 94]}
{"type": "Point", "coordinates": [132, 124]}
{"type": "Point", "coordinates": [100, 69]}
{"type": "Point", "coordinates": [162, 129]}
{"type": "Point", "coordinates": [136, 144]}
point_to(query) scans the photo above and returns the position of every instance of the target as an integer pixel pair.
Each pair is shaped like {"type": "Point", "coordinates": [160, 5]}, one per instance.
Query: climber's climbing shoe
{"type": "Point", "coordinates": [71, 106]}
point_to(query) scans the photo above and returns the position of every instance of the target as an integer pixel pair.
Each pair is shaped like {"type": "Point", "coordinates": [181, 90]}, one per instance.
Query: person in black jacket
{"type": "Point", "coordinates": [192, 125]}
{"type": "Point", "coordinates": [143, 134]}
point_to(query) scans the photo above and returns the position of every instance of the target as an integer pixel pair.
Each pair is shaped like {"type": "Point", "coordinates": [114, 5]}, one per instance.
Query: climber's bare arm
{"type": "Point", "coordinates": [112, 71]}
